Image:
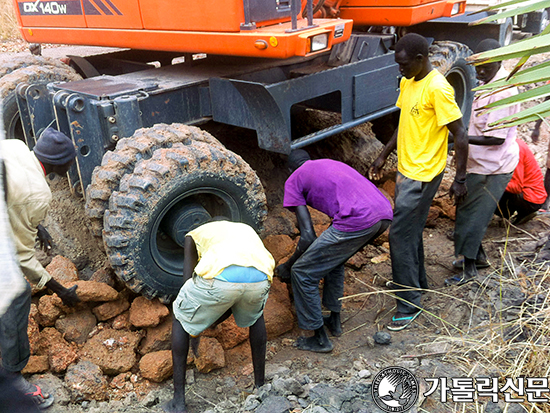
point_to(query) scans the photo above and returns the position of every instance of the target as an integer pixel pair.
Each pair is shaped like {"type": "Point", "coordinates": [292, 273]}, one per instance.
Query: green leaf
{"type": "Point", "coordinates": [539, 74]}
{"type": "Point", "coordinates": [544, 4]}
{"type": "Point", "coordinates": [534, 45]}
{"type": "Point", "coordinates": [527, 96]}
{"type": "Point", "coordinates": [511, 13]}
{"type": "Point", "coordinates": [527, 115]}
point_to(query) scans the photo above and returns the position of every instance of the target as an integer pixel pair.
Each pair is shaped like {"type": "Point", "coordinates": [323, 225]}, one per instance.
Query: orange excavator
{"type": "Point", "coordinates": [148, 171]}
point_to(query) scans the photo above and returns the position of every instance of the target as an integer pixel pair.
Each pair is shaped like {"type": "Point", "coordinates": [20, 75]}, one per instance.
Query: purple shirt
{"type": "Point", "coordinates": [338, 190]}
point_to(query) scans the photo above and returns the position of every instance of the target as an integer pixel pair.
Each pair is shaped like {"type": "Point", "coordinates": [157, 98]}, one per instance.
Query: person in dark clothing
{"type": "Point", "coordinates": [359, 212]}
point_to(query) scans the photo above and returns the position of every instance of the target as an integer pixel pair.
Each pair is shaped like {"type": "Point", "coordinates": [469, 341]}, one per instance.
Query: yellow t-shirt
{"type": "Point", "coordinates": [427, 106]}
{"type": "Point", "coordinates": [224, 243]}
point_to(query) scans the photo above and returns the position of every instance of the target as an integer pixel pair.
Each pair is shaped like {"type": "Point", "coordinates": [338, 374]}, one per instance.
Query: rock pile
{"type": "Point", "coordinates": [114, 339]}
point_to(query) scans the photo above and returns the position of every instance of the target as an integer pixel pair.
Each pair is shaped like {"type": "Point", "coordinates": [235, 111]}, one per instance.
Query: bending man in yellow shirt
{"type": "Point", "coordinates": [428, 113]}
{"type": "Point", "coordinates": [227, 270]}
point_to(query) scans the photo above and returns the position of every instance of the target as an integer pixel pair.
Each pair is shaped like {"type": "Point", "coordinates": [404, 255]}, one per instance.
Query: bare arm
{"type": "Point", "coordinates": [485, 140]}
{"type": "Point", "coordinates": [374, 170]}
{"type": "Point", "coordinates": [458, 188]}
{"type": "Point", "coordinates": [307, 236]}
{"type": "Point", "coordinates": [191, 258]}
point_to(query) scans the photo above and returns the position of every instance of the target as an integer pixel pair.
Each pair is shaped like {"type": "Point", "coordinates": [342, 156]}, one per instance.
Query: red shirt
{"type": "Point", "coordinates": [527, 178]}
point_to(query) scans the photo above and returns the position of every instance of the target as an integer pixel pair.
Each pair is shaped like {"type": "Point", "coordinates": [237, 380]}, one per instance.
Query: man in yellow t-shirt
{"type": "Point", "coordinates": [227, 270]}
{"type": "Point", "coordinates": [428, 113]}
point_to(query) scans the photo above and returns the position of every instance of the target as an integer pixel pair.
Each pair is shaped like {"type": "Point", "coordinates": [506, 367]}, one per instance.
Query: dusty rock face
{"type": "Point", "coordinates": [228, 333]}
{"type": "Point", "coordinates": [76, 327]}
{"type": "Point", "coordinates": [157, 338]}
{"type": "Point", "coordinates": [112, 350]}
{"type": "Point", "coordinates": [281, 221]}
{"type": "Point", "coordinates": [33, 330]}
{"type": "Point", "coordinates": [211, 355]}
{"type": "Point", "coordinates": [111, 309]}
{"type": "Point", "coordinates": [104, 275]}
{"type": "Point", "coordinates": [389, 188]}
{"type": "Point", "coordinates": [62, 270]}
{"type": "Point", "coordinates": [37, 364]}
{"type": "Point", "coordinates": [147, 313]}
{"type": "Point", "coordinates": [60, 353]}
{"type": "Point", "coordinates": [94, 291]}
{"type": "Point", "coordinates": [156, 366]}
{"type": "Point", "coordinates": [277, 314]}
{"type": "Point", "coordinates": [86, 382]}
{"type": "Point", "coordinates": [49, 309]}
{"type": "Point", "coordinates": [280, 246]}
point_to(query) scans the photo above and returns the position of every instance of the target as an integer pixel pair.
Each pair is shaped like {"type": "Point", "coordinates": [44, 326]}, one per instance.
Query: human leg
{"type": "Point", "coordinates": [258, 339]}
{"type": "Point", "coordinates": [180, 350]}
{"type": "Point", "coordinates": [472, 219]}
{"type": "Point", "coordinates": [324, 259]}
{"type": "Point", "coordinates": [412, 205]}
{"type": "Point", "coordinates": [14, 341]}
{"type": "Point", "coordinates": [11, 398]}
{"type": "Point", "coordinates": [475, 212]}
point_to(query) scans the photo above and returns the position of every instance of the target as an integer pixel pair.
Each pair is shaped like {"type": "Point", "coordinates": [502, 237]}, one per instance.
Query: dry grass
{"type": "Point", "coordinates": [511, 342]}
{"type": "Point", "coordinates": [8, 22]}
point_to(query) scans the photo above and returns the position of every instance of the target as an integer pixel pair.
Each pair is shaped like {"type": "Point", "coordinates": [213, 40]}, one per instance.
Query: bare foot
{"type": "Point", "coordinates": [173, 406]}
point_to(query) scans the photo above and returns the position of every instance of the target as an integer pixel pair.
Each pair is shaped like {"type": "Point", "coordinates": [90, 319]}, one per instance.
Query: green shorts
{"type": "Point", "coordinates": [200, 303]}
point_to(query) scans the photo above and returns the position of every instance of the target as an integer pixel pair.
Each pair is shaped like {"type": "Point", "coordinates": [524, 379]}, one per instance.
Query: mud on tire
{"type": "Point", "coordinates": [191, 174]}
{"type": "Point", "coordinates": [450, 59]}
{"type": "Point", "coordinates": [30, 74]}
{"type": "Point", "coordinates": [122, 160]}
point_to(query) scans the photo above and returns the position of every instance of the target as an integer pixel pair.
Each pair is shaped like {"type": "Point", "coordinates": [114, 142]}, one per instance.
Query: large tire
{"type": "Point", "coordinates": [32, 75]}
{"type": "Point", "coordinates": [10, 63]}
{"type": "Point", "coordinates": [450, 59]}
{"type": "Point", "coordinates": [189, 178]}
{"type": "Point", "coordinates": [122, 160]}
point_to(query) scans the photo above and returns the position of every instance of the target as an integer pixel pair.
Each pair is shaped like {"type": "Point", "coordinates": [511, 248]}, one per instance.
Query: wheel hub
{"type": "Point", "coordinates": [179, 221]}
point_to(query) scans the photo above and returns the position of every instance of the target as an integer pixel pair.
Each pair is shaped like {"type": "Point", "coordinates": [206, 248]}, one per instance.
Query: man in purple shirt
{"type": "Point", "coordinates": [359, 212]}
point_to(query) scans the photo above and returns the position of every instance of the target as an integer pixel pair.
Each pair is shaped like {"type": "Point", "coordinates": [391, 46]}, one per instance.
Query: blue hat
{"type": "Point", "coordinates": [54, 148]}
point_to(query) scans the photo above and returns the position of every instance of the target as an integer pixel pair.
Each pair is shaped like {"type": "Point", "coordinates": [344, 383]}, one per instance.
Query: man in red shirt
{"type": "Point", "coordinates": [525, 192]}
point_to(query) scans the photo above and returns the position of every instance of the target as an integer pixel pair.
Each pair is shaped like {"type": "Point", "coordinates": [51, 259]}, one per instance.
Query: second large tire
{"type": "Point", "coordinates": [450, 59]}
{"type": "Point", "coordinates": [190, 182]}
{"type": "Point", "coordinates": [32, 75]}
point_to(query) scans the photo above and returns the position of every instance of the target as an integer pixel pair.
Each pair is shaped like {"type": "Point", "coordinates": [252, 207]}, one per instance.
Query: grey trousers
{"type": "Point", "coordinates": [324, 259]}
{"type": "Point", "coordinates": [14, 341]}
{"type": "Point", "coordinates": [475, 212]}
{"type": "Point", "coordinates": [412, 205]}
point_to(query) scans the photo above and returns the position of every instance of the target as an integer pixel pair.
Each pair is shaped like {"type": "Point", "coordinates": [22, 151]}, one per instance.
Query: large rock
{"type": "Point", "coordinates": [211, 355]}
{"type": "Point", "coordinates": [277, 314]}
{"type": "Point", "coordinates": [94, 291]}
{"type": "Point", "coordinates": [53, 385]}
{"type": "Point", "coordinates": [62, 270]}
{"type": "Point", "coordinates": [76, 327]}
{"type": "Point", "coordinates": [85, 381]}
{"type": "Point", "coordinates": [280, 246]}
{"type": "Point", "coordinates": [156, 366]}
{"type": "Point", "coordinates": [274, 404]}
{"type": "Point", "coordinates": [280, 221]}
{"type": "Point", "coordinates": [37, 364]}
{"type": "Point", "coordinates": [113, 351]}
{"type": "Point", "coordinates": [111, 309]}
{"type": "Point", "coordinates": [147, 313]}
{"type": "Point", "coordinates": [105, 275]}
{"type": "Point", "coordinates": [157, 338]}
{"type": "Point", "coordinates": [49, 308]}
{"type": "Point", "coordinates": [228, 333]}
{"type": "Point", "coordinates": [60, 353]}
